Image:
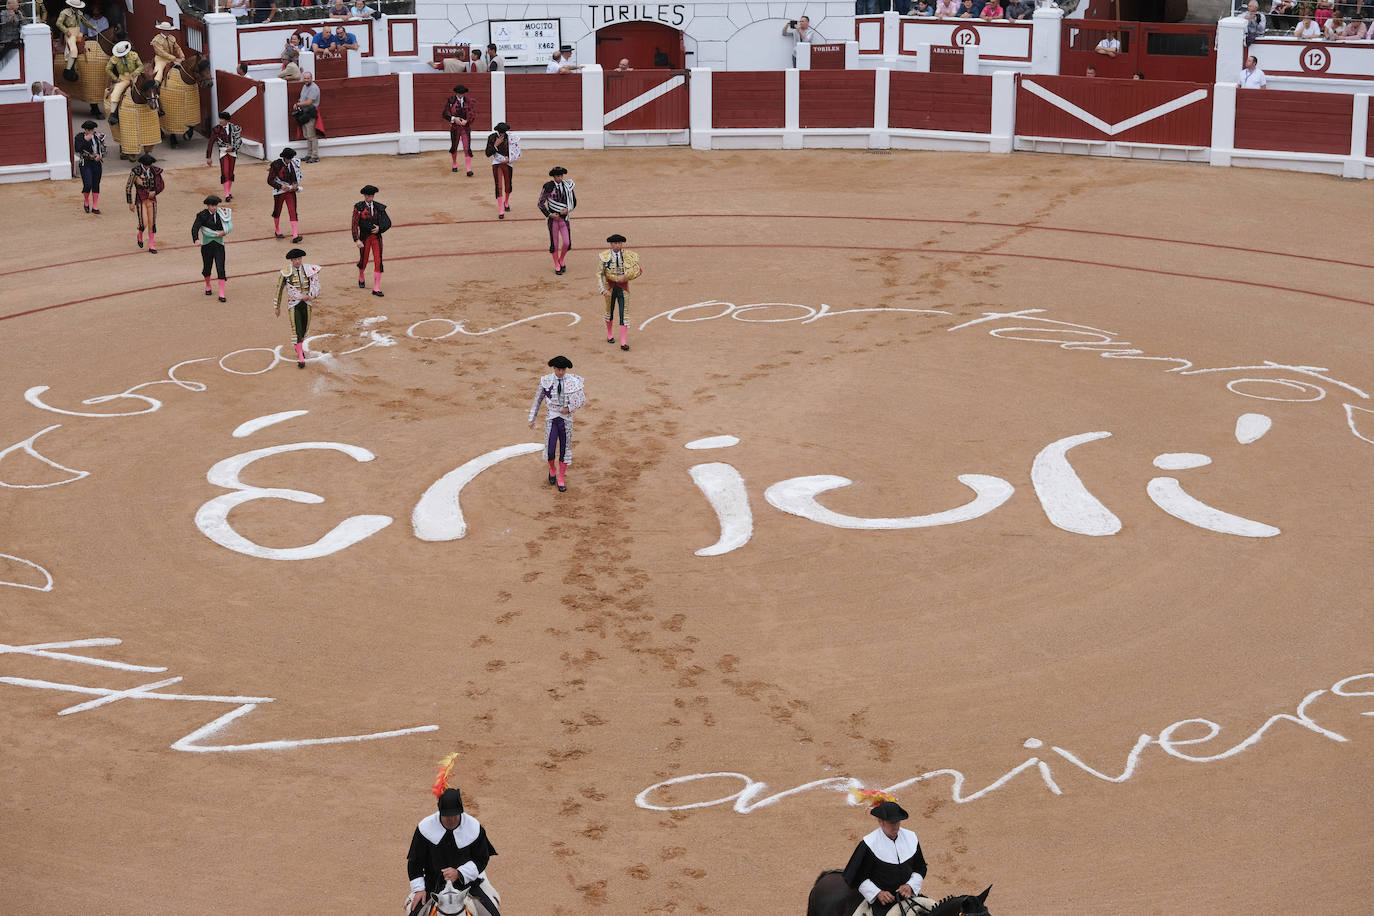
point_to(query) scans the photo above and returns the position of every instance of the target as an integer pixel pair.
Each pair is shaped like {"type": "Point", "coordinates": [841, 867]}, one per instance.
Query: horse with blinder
{"type": "Point", "coordinates": [830, 896]}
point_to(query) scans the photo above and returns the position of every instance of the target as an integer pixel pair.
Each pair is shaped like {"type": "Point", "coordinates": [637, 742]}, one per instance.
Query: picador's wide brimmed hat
{"type": "Point", "coordinates": [450, 803]}
{"type": "Point", "coordinates": [122, 49]}
{"type": "Point", "coordinates": [165, 26]}
{"type": "Point", "coordinates": [76, 4]}
{"type": "Point", "coordinates": [889, 811]}
{"type": "Point", "coordinates": [560, 362]}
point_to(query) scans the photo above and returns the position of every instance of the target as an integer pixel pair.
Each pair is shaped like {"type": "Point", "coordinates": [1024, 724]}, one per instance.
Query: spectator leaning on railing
{"type": "Point", "coordinates": [1254, 22]}
{"type": "Point", "coordinates": [11, 23]}
{"type": "Point", "coordinates": [1110, 46]}
{"type": "Point", "coordinates": [1021, 9]}
{"type": "Point", "coordinates": [1307, 28]}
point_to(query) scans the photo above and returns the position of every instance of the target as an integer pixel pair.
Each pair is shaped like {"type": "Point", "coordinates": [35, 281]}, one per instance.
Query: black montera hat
{"type": "Point", "coordinates": [450, 803]}
{"type": "Point", "coordinates": [288, 153]}
{"type": "Point", "coordinates": [555, 172]}
{"type": "Point", "coordinates": [210, 200]}
{"type": "Point", "coordinates": [225, 115]}
{"type": "Point", "coordinates": [889, 811]}
{"type": "Point", "coordinates": [88, 125]}
{"type": "Point", "coordinates": [616, 238]}
{"type": "Point", "coordinates": [368, 189]}
{"type": "Point", "coordinates": [146, 159]}
{"type": "Point", "coordinates": [502, 128]}
{"type": "Point", "coordinates": [295, 253]}
{"type": "Point", "coordinates": [460, 89]}
{"type": "Point", "coordinates": [560, 362]}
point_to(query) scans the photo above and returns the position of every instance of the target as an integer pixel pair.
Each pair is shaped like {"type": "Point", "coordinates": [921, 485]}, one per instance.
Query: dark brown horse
{"type": "Point", "coordinates": [830, 896]}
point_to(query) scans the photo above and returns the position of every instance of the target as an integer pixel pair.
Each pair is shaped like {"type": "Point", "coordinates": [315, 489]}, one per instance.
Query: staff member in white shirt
{"type": "Point", "coordinates": [1252, 77]}
{"type": "Point", "coordinates": [562, 62]}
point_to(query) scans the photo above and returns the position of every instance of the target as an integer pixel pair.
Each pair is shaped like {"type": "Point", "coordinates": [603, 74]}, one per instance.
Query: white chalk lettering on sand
{"type": "Point", "coordinates": [194, 742]}
{"type": "Point", "coordinates": [47, 576]}
{"type": "Point", "coordinates": [769, 312]}
{"type": "Point", "coordinates": [1067, 503]}
{"type": "Point", "coordinates": [1272, 383]}
{"type": "Point", "coordinates": [1172, 740]}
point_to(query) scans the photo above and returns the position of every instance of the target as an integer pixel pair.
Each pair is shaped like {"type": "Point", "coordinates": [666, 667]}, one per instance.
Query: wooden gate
{"type": "Point", "coordinates": [647, 100]}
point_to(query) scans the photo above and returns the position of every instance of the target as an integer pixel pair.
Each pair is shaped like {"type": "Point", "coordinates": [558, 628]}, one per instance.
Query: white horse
{"type": "Point", "coordinates": [459, 901]}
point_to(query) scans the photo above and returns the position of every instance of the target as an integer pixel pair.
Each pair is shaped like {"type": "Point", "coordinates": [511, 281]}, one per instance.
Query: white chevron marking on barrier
{"type": "Point", "coordinates": [234, 106]}
{"type": "Point", "coordinates": [1111, 130]}
{"type": "Point", "coordinates": [640, 101]}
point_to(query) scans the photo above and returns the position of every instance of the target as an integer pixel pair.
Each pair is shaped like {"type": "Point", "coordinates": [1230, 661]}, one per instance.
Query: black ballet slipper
{"type": "Point", "coordinates": [377, 292]}
{"type": "Point", "coordinates": [222, 299]}
{"type": "Point", "coordinates": [208, 293]}
{"type": "Point", "coordinates": [96, 212]}
{"type": "Point", "coordinates": [562, 488]}
{"type": "Point", "coordinates": [362, 285]}
{"type": "Point", "coordinates": [624, 346]}
{"type": "Point", "coordinates": [469, 173]}
{"type": "Point", "coordinates": [299, 238]}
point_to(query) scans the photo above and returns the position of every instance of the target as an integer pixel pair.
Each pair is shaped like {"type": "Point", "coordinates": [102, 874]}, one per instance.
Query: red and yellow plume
{"type": "Point", "coordinates": [441, 777]}
{"type": "Point", "coordinates": [871, 797]}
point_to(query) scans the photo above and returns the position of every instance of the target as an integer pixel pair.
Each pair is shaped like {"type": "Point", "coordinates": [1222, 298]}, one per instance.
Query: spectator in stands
{"type": "Point", "coordinates": [11, 23]}
{"type": "Point", "coordinates": [243, 68]}
{"type": "Point", "coordinates": [1354, 31]}
{"type": "Point", "coordinates": [308, 103]}
{"type": "Point", "coordinates": [798, 29]}
{"type": "Point", "coordinates": [293, 43]}
{"type": "Point", "coordinates": [493, 60]}
{"type": "Point", "coordinates": [1324, 10]}
{"type": "Point", "coordinates": [1283, 14]}
{"type": "Point", "coordinates": [338, 9]}
{"type": "Point", "coordinates": [1252, 77]}
{"type": "Point", "coordinates": [95, 22]}
{"type": "Point", "coordinates": [946, 9]}
{"type": "Point", "coordinates": [623, 66]}
{"type": "Point", "coordinates": [291, 70]}
{"type": "Point", "coordinates": [923, 9]}
{"type": "Point", "coordinates": [1091, 71]}
{"type": "Point", "coordinates": [1137, 75]}
{"type": "Point", "coordinates": [970, 9]}
{"type": "Point", "coordinates": [360, 10]}
{"type": "Point", "coordinates": [562, 62]}
{"type": "Point", "coordinates": [322, 41]}
{"type": "Point", "coordinates": [264, 10]}
{"type": "Point", "coordinates": [344, 40]}
{"type": "Point", "coordinates": [1021, 9]}
{"type": "Point", "coordinates": [991, 10]}
{"type": "Point", "coordinates": [1307, 28]}
{"type": "Point", "coordinates": [239, 9]}
{"type": "Point", "coordinates": [1109, 46]}
{"type": "Point", "coordinates": [866, 7]}
{"type": "Point", "coordinates": [1255, 24]}
{"type": "Point", "coordinates": [1333, 27]}
{"type": "Point", "coordinates": [40, 90]}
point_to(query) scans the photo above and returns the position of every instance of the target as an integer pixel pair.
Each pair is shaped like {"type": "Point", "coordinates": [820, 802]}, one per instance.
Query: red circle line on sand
{"type": "Point", "coordinates": [865, 248]}
{"type": "Point", "coordinates": [822, 216]}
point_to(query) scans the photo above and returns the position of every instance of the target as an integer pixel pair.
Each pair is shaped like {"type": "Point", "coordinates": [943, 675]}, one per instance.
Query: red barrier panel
{"type": "Point", "coordinates": [358, 105]}
{"type": "Point", "coordinates": [431, 94]}
{"type": "Point", "coordinates": [836, 99]}
{"type": "Point", "coordinates": [21, 124]}
{"type": "Point", "coordinates": [1134, 111]}
{"type": "Point", "coordinates": [543, 101]}
{"type": "Point", "coordinates": [1300, 122]}
{"type": "Point", "coordinates": [647, 100]}
{"type": "Point", "coordinates": [940, 101]}
{"type": "Point", "coordinates": [742, 98]}
{"type": "Point", "coordinates": [232, 89]}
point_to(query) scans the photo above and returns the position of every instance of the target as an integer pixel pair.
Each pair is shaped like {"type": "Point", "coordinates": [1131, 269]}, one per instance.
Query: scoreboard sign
{"type": "Point", "coordinates": [525, 42]}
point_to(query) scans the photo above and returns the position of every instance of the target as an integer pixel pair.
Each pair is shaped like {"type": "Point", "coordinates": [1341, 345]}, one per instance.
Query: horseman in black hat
{"type": "Point", "coordinates": [888, 864]}
{"type": "Point", "coordinates": [448, 856]}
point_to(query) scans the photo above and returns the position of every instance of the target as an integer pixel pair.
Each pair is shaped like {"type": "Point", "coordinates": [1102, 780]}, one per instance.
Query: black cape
{"type": "Point", "coordinates": [432, 849]}
{"type": "Point", "coordinates": [865, 865]}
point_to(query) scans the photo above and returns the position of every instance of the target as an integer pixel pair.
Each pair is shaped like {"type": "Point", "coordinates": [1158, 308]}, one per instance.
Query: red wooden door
{"type": "Point", "coordinates": [640, 43]}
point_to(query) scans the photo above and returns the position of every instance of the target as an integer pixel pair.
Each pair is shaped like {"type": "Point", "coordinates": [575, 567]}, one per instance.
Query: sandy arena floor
{"type": "Point", "coordinates": [1125, 694]}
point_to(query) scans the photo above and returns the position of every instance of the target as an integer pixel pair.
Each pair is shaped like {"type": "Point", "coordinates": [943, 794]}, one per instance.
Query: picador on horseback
{"type": "Point", "coordinates": [448, 858]}
{"type": "Point", "coordinates": [885, 874]}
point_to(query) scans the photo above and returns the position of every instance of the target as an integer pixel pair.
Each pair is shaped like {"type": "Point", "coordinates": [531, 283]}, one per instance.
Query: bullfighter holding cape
{"type": "Point", "coordinates": [565, 394]}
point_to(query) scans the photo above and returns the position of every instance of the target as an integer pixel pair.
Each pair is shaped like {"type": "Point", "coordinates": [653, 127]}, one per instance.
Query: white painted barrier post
{"type": "Point", "coordinates": [882, 90]}
{"type": "Point", "coordinates": [803, 61]}
{"type": "Point", "coordinates": [791, 119]}
{"type": "Point", "coordinates": [1230, 49]}
{"type": "Point", "coordinates": [38, 53]}
{"type": "Point", "coordinates": [57, 137]}
{"type": "Point", "coordinates": [1047, 23]}
{"type": "Point", "coordinates": [1003, 127]}
{"type": "Point", "coordinates": [923, 57]}
{"type": "Point", "coordinates": [1359, 139]}
{"type": "Point", "coordinates": [221, 42]}
{"type": "Point", "coordinates": [409, 141]}
{"type": "Point", "coordinates": [700, 102]}
{"type": "Point", "coordinates": [276, 118]}
{"type": "Point", "coordinates": [892, 36]}
{"type": "Point", "coordinates": [971, 60]}
{"type": "Point", "coordinates": [851, 55]}
{"type": "Point", "coordinates": [1223, 123]}
{"type": "Point", "coordinates": [355, 63]}
{"type": "Point", "coordinates": [593, 107]}
{"type": "Point", "coordinates": [498, 97]}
